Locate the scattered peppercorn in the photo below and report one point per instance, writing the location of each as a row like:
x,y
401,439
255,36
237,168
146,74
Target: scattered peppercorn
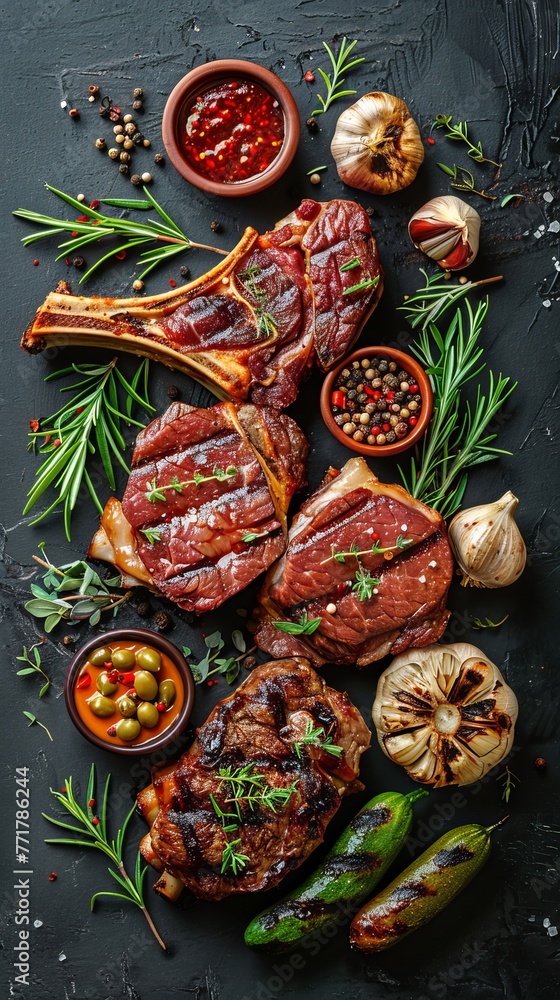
x,y
173,283
158,158
144,609
93,88
130,128
36,262
138,284
114,113
249,662
173,392
128,143
113,153
315,178
127,119
309,76
184,271
80,197
68,640
215,226
74,113
105,106
78,262
311,124
100,143
540,763
136,180
138,105
146,177
146,143
53,875
118,130
136,137
163,621
124,157
124,168
137,92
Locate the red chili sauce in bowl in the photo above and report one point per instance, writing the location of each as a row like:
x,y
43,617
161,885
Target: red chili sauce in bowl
x,y
234,130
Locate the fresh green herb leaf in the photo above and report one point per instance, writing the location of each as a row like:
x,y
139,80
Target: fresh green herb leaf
x,y
350,265
429,303
460,133
301,627
340,64
367,283
509,782
316,737
155,493
510,197
73,580
151,534
315,170
477,623
33,719
463,180
34,667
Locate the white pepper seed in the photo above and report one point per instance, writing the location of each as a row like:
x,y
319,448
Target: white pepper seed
x,y
405,387
130,128
405,412
463,279
146,143
370,374
371,439
365,362
315,178
413,406
91,98
146,177
119,139
124,157
128,144
118,129
394,420
138,285
381,439
348,428
80,197
331,609
100,143
358,436
113,153
365,418
127,119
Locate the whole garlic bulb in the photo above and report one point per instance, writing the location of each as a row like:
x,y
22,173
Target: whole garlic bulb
x,y
376,145
447,230
488,545
444,713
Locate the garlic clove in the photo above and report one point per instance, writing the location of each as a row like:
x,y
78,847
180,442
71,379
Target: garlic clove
x,y
377,146
487,544
447,230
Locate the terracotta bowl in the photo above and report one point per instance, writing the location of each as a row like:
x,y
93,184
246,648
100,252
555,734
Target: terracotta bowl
x,y
404,361
203,77
151,639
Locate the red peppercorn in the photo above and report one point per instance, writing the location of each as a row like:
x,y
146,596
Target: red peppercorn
x,y
160,706
56,443
375,537
412,421
376,429
309,76
540,763
83,682
95,821
53,875
74,113
386,427
337,398
431,140
35,263
172,282
414,388
121,255
91,803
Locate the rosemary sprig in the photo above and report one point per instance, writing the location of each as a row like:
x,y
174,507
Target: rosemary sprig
x,y
376,549
429,303
266,323
478,624
457,438
509,782
92,832
365,585
72,593
33,667
245,786
166,234
155,493
460,133
350,264
366,283
90,423
316,737
340,64
151,534
33,719
463,180
303,626
316,170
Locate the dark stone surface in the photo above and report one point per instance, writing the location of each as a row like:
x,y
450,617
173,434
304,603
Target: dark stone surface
x,y
497,66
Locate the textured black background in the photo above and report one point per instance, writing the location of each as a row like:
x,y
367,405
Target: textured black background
x,y
495,64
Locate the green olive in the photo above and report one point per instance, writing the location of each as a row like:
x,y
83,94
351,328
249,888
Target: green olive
x,y
126,706
102,706
145,684
149,659
123,659
100,656
104,685
128,729
167,693
148,714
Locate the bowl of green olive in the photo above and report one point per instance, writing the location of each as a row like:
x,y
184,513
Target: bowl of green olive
x,y
130,691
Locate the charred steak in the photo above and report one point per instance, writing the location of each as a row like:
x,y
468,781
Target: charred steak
x,y
250,327
384,601
256,728
204,510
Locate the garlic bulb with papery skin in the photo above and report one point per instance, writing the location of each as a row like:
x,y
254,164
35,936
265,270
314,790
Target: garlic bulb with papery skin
x,y
445,713
447,230
376,145
487,544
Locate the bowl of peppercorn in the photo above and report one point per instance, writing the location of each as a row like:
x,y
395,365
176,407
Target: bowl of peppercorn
x,y
377,402
231,127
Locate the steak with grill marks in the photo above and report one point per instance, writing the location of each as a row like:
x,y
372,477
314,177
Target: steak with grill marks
x,y
204,510
401,544
257,727
252,326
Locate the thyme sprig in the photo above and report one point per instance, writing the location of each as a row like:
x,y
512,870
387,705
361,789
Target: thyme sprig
x,y
93,832
509,783
429,303
89,423
166,234
460,133
213,663
365,585
457,437
340,64
72,593
304,625
33,667
316,737
266,323
155,492
245,786
463,180
376,549
478,624
33,719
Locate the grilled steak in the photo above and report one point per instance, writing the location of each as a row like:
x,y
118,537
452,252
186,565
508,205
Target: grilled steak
x,y
250,327
256,728
204,510
401,544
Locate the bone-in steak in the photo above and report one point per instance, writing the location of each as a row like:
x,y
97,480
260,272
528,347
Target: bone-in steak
x,y
257,728
204,509
403,561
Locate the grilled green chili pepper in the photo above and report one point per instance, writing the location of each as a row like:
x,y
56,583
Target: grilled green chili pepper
x,y
423,889
352,868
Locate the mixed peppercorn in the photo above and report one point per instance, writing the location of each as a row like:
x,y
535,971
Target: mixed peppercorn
x,y
376,402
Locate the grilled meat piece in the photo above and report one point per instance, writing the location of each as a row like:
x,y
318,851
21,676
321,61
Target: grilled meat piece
x,y
204,510
257,727
403,606
251,326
